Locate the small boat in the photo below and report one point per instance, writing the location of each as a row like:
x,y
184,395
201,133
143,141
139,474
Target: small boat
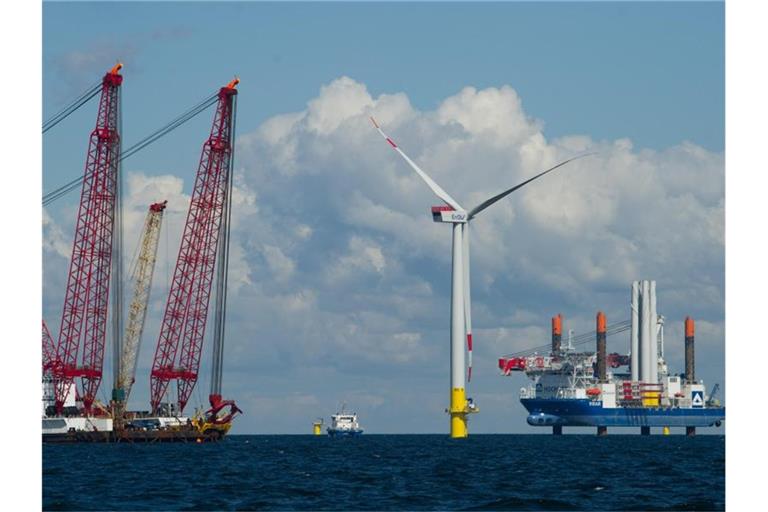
x,y
343,424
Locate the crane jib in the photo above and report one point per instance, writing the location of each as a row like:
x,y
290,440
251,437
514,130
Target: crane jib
x,y
84,317
179,345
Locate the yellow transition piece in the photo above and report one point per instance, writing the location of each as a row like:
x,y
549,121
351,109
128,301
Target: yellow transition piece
x,y
458,413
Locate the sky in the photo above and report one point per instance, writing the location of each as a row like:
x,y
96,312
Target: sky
x,y
340,282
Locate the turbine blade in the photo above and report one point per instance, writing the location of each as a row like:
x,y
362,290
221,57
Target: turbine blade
x,y
467,299
485,204
439,192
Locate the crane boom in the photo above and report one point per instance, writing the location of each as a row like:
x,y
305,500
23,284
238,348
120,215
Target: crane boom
x,y
84,317
186,311
49,349
137,312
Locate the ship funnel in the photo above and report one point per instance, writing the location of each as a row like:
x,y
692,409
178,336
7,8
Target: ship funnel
x,y
690,367
601,335
557,333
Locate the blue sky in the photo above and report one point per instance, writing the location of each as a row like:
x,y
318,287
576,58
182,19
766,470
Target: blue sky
x,y
650,72
641,83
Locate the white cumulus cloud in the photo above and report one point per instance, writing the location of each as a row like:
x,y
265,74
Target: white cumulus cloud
x,y
341,274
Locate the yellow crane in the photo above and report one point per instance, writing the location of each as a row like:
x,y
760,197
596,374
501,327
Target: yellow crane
x,y
137,312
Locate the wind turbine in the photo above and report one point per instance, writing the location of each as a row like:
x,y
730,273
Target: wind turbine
x,y
461,306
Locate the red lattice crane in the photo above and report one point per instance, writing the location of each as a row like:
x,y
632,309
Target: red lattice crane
x,y
84,318
49,349
186,311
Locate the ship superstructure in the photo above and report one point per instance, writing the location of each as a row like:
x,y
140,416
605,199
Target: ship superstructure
x,y
569,387
344,424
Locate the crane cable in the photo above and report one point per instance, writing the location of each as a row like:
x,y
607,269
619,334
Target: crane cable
x,y
183,118
579,339
225,256
72,106
146,141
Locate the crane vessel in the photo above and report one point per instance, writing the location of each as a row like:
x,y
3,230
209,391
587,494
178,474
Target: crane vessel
x,y
71,413
575,389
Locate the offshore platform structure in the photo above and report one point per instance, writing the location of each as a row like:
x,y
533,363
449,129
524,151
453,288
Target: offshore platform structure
x,y
205,236
576,388
84,318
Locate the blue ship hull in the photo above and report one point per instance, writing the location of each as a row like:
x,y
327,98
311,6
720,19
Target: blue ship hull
x,y
345,433
583,412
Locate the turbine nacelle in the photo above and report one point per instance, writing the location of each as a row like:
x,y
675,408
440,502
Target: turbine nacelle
x,y
449,214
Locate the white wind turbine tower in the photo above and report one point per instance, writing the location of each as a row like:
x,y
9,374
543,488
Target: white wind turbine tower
x,y
461,305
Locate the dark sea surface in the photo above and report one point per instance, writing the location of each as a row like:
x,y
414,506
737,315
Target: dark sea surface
x,y
392,472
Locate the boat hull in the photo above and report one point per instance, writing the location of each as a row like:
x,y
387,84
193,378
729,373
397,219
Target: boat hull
x,y
591,413
345,433
80,429
129,436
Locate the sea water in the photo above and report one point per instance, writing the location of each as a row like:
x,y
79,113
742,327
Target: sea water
x,y
392,472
